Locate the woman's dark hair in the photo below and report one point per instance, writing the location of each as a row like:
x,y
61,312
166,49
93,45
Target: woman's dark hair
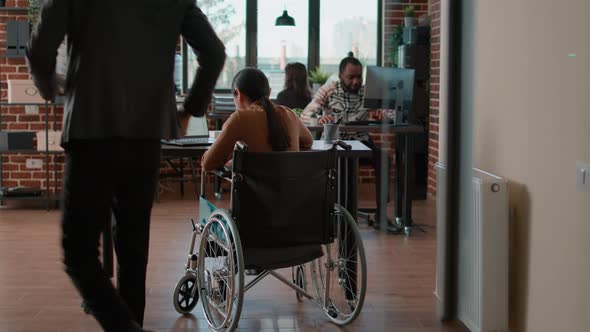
x,y
296,79
253,84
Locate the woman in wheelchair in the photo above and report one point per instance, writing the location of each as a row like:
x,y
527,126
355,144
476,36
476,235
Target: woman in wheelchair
x,y
283,215
261,124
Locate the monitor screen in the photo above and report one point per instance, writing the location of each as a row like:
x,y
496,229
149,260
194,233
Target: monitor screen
x,y
389,88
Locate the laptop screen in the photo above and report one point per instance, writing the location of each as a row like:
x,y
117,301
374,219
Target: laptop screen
x,y
197,126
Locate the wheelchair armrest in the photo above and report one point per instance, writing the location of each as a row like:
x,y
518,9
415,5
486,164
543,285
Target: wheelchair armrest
x,y
241,145
223,172
342,144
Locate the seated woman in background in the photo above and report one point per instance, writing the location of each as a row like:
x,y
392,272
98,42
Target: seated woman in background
x,y
262,125
296,93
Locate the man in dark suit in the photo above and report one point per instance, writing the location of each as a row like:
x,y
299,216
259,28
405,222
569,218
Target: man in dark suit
x,y
119,103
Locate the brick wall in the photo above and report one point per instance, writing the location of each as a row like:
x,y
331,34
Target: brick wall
x,y
393,16
14,170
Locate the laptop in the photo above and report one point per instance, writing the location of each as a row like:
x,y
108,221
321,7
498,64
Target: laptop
x,y
197,134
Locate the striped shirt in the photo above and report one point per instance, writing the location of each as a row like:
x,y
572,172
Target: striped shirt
x,y
332,99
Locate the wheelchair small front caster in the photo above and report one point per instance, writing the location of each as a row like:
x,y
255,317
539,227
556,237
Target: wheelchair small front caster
x,y
184,301
408,230
332,312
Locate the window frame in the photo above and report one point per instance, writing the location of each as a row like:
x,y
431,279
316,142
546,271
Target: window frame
x,y
313,55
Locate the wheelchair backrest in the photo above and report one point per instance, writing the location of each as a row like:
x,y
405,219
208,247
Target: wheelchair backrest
x,y
282,199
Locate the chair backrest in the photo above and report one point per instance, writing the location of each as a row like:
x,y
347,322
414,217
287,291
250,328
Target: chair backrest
x,y
282,199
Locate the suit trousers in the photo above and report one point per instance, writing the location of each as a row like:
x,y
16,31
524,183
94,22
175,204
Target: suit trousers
x,y
103,176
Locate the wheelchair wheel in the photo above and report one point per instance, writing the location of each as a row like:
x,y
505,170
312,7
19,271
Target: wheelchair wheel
x,y
348,271
220,272
299,279
185,294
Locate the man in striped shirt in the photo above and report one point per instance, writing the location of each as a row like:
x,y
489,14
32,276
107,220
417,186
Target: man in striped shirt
x,y
341,102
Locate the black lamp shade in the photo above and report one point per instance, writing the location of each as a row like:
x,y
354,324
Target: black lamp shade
x,y
285,20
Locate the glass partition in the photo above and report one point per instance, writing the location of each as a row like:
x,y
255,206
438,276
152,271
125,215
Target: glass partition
x,y
347,26
228,18
279,45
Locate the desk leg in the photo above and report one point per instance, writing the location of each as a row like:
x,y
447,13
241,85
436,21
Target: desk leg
x,y
194,175
409,183
181,177
217,180
399,179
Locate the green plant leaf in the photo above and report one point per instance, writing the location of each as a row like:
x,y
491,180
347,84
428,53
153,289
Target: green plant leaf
x,y
409,11
318,76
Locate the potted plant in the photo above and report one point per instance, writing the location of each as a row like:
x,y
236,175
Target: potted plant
x,y
395,42
409,16
34,9
317,78
297,111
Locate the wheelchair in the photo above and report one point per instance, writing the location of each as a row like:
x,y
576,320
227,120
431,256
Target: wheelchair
x,y
282,215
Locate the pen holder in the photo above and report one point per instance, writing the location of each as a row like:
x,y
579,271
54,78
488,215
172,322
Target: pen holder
x,y
331,132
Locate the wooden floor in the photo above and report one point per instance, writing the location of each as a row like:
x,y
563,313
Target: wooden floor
x,y
36,294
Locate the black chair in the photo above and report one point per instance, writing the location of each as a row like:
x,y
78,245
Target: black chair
x,y
283,214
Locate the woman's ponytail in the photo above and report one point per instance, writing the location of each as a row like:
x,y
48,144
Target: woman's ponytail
x,y
278,136
253,84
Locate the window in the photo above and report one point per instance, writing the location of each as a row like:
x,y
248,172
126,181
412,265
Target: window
x,y
247,28
279,45
228,18
348,26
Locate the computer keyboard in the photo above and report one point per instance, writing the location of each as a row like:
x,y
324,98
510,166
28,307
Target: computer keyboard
x,y
369,122
189,141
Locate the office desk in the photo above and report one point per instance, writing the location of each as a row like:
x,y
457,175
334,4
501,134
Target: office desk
x,y
191,152
404,168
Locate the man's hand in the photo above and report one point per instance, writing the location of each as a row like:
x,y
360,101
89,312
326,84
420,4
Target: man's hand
x,y
183,118
325,119
378,115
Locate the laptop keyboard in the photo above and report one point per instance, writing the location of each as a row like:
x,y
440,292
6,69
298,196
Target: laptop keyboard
x,y
188,141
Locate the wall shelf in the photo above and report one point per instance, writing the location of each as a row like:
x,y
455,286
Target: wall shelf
x,y
48,196
13,9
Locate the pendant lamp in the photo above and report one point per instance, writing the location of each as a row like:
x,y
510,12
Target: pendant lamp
x,y
285,20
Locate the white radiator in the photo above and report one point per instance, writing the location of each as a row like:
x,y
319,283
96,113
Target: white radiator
x,y
482,299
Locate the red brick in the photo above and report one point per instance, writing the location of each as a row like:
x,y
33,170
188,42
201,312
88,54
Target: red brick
x,y
37,126
20,175
31,183
18,126
28,117
9,183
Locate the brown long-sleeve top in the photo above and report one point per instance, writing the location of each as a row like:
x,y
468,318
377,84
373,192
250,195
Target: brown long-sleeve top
x,y
250,126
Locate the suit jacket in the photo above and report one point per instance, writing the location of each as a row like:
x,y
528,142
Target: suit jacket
x,y
120,80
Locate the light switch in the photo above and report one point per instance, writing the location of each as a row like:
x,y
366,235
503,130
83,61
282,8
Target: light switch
x,y
583,176
31,109
34,163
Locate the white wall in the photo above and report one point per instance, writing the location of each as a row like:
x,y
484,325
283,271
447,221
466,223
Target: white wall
x,y
531,122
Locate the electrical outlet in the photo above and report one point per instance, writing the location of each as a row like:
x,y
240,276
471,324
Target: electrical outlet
x,y
31,109
34,163
583,176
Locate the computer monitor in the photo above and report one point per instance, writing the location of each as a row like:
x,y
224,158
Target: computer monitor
x,y
390,88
